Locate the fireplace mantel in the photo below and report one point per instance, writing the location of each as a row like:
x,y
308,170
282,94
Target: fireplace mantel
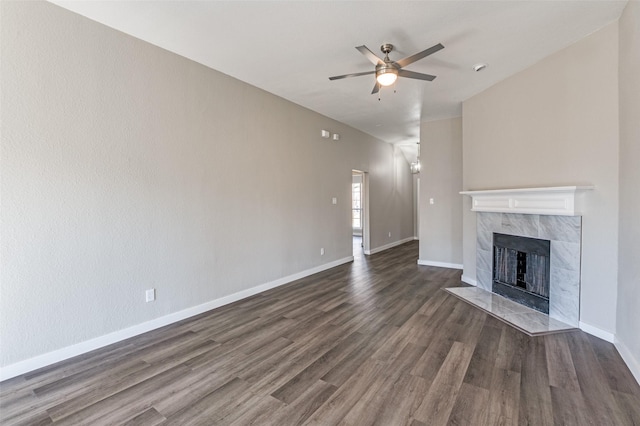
x,y
557,200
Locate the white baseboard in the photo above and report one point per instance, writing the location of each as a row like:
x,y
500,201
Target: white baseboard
x,y
53,357
595,331
470,281
388,246
629,359
439,264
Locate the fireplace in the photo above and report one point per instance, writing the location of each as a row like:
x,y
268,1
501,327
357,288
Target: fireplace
x,y
551,213
564,235
521,270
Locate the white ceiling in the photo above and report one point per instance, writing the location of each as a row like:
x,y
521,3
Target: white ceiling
x,y
290,48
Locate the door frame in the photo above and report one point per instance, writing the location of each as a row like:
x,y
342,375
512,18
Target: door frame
x,y
364,215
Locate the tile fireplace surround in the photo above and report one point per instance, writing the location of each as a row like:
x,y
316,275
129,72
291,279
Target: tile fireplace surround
x,y
545,213
564,232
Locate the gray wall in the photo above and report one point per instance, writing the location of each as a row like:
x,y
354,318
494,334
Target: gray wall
x,y
126,167
555,124
628,331
441,179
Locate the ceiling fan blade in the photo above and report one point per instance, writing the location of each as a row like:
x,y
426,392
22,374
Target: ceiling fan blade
x,y
416,75
370,55
376,88
411,59
357,74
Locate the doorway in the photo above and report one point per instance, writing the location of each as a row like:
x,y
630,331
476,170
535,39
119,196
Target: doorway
x,y
359,213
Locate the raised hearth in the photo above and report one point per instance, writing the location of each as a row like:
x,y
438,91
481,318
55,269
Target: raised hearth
x,y
525,319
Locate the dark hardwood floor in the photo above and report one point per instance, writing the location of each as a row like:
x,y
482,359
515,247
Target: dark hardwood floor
x,y
372,342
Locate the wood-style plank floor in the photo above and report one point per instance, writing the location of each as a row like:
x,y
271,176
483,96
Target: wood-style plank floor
x,y
372,342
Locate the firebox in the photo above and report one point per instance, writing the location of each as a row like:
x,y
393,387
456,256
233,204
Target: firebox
x,y
521,270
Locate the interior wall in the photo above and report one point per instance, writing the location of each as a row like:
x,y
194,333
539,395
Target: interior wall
x,y
127,167
441,180
556,124
628,320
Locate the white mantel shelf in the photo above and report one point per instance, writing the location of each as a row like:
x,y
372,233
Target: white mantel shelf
x,y
557,200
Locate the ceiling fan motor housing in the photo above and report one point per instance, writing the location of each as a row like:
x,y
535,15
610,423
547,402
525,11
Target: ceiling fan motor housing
x,y
386,68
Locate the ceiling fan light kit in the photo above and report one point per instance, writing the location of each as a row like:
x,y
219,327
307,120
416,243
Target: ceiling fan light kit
x,y
387,71
386,76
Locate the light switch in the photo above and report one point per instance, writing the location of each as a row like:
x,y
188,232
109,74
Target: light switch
x,y
150,295
334,200
431,201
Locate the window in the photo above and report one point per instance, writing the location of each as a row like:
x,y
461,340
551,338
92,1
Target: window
x,y
356,205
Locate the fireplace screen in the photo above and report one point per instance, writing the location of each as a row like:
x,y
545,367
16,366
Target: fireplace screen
x,y
521,270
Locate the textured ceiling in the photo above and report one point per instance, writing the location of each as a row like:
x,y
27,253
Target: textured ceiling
x,y
290,48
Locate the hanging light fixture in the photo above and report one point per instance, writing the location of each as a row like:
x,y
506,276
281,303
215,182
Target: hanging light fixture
x,y
415,166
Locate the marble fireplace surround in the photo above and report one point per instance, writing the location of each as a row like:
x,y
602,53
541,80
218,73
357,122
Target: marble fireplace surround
x,y
546,213
564,233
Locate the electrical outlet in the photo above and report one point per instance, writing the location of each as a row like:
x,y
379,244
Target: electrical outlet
x,y
322,251
150,295
389,234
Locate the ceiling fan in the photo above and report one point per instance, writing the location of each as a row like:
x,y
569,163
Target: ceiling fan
x,y
387,71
